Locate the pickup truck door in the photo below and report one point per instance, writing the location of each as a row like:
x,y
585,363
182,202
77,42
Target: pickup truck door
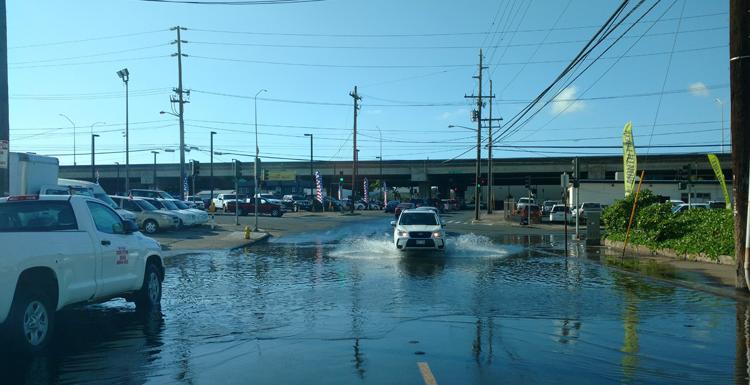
x,y
118,252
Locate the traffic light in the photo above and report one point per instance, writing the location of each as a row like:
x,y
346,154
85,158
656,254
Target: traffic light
x,y
257,168
237,169
341,179
265,174
528,182
195,167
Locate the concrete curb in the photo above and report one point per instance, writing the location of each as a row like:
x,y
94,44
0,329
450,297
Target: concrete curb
x,y
251,242
668,253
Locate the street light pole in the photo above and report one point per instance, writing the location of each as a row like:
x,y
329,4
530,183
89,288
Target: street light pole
x,y
255,165
124,74
117,183
74,136
721,105
212,164
155,152
312,173
380,181
93,159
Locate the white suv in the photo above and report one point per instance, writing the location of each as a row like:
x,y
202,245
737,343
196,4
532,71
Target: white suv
x,y
418,230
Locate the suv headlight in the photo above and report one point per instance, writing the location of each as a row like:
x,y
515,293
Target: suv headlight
x,y
402,233
437,234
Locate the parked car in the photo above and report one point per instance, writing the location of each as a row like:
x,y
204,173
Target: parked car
x,y
197,201
547,206
222,199
523,201
81,187
149,218
717,204
420,202
391,206
403,206
587,207
530,210
559,212
146,193
201,217
418,230
264,207
54,247
685,207
450,205
186,218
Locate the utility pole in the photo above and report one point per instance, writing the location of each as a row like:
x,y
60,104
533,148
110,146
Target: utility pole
x,y
181,104
739,79
312,174
478,117
577,187
4,110
156,186
356,98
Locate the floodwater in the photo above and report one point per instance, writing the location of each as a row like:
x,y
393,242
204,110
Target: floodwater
x,y
344,307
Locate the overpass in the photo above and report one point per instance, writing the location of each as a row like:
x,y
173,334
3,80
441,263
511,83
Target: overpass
x,y
456,175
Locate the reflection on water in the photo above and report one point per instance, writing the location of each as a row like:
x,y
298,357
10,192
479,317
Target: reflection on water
x,y
355,310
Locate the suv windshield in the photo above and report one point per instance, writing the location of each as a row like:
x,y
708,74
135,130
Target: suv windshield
x,y
426,219
180,205
144,205
169,205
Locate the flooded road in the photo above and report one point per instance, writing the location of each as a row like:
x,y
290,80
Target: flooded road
x,y
344,307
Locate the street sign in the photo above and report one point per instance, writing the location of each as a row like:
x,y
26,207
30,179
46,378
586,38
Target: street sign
x,y
564,180
3,154
281,175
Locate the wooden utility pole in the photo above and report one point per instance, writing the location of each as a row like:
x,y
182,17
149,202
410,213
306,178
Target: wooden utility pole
x,y
181,110
478,116
739,77
4,109
356,98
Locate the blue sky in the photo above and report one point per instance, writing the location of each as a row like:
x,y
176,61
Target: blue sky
x,y
412,60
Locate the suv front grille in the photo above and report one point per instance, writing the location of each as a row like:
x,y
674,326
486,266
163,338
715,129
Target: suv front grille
x,y
420,234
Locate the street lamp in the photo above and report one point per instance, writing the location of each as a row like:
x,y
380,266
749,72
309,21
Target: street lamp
x,y
255,165
212,164
312,174
117,183
93,160
125,76
74,136
380,181
155,152
721,105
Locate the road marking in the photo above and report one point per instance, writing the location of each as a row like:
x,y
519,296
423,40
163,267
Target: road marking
x,y
429,379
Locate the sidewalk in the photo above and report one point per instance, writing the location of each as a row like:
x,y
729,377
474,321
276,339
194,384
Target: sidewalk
x,y
222,237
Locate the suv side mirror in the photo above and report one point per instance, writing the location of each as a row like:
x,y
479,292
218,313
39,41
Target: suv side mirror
x,y
130,226
393,223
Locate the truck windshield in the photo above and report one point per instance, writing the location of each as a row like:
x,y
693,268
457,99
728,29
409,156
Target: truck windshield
x,y
426,219
37,216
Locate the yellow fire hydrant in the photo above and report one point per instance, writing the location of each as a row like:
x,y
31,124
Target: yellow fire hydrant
x,y
247,232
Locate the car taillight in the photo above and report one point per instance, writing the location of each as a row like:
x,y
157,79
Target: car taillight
x,y
23,198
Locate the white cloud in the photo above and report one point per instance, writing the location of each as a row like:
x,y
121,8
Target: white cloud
x,y
459,113
698,89
565,101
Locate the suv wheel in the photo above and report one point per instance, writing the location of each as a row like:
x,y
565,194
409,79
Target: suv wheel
x,y
32,320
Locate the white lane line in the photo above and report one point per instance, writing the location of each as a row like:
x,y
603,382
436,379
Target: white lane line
x,y
427,376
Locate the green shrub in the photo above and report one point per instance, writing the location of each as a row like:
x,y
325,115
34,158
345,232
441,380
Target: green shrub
x,y
710,232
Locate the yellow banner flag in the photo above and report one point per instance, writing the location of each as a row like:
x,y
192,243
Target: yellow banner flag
x,y
629,161
720,176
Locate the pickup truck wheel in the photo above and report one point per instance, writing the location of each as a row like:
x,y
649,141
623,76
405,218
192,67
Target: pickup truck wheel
x,y
150,226
31,321
149,296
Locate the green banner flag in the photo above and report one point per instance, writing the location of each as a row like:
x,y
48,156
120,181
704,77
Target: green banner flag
x,y
629,161
720,176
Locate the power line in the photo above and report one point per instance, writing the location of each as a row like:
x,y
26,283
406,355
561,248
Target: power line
x,y
436,34
119,36
89,56
89,62
253,2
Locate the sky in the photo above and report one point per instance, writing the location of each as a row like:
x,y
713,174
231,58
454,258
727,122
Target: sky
x,y
412,61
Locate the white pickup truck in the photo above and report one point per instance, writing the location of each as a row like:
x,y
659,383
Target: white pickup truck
x,y
64,250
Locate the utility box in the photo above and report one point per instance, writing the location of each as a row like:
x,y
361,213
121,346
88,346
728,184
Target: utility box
x,y
593,234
